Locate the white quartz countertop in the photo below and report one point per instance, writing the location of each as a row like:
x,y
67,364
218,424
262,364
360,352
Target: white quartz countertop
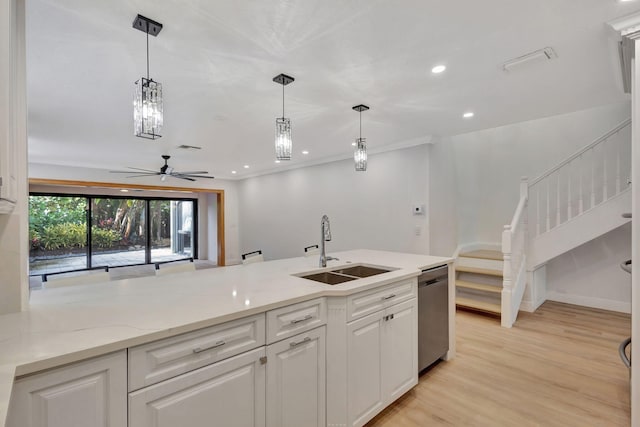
x,y
65,325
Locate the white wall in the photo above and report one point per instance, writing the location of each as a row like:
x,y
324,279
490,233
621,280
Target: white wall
x,y
489,163
280,213
231,207
590,275
443,211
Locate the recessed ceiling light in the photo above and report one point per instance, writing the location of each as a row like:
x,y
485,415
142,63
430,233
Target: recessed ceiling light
x,y
234,172
305,152
468,115
438,69
124,190
277,161
353,144
246,166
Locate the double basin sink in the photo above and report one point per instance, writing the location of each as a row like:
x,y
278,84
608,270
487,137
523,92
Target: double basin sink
x,y
345,274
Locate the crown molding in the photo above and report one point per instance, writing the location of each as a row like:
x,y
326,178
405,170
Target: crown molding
x,y
627,26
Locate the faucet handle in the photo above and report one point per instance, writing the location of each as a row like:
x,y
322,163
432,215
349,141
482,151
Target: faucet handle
x,y
331,258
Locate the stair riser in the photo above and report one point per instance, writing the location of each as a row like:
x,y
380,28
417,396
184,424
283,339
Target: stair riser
x,y
480,278
480,263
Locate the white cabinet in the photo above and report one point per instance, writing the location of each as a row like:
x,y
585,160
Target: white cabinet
x,y
11,85
365,365
372,360
400,350
90,393
229,393
296,381
382,360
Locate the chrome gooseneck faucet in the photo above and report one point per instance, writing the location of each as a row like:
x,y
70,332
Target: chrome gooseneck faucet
x,y
325,236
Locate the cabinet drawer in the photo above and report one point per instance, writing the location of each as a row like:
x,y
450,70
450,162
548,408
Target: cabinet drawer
x,y
288,321
367,302
160,360
227,393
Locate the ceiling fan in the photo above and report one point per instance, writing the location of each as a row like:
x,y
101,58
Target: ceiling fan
x,y
166,171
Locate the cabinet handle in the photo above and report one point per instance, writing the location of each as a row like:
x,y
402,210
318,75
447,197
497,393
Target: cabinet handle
x,y
389,297
295,344
304,319
216,345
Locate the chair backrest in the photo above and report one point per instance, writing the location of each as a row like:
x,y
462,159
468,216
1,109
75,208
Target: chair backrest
x,y
311,250
175,267
251,257
71,278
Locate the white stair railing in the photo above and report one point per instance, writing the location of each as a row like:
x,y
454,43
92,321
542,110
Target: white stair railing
x,y
586,179
514,245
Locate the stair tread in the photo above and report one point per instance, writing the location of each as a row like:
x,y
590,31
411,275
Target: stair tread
x,y
478,286
484,254
478,305
477,270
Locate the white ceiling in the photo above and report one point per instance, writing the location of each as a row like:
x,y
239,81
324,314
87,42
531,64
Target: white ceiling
x,y
216,60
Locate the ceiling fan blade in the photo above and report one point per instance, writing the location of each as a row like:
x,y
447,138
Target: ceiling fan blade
x,y
192,173
199,176
182,177
142,174
145,173
145,170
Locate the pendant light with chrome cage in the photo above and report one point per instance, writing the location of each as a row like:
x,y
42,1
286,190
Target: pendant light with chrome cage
x,y
284,145
360,153
147,99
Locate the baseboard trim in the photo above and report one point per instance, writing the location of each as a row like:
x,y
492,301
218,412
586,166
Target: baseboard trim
x,y
601,303
527,306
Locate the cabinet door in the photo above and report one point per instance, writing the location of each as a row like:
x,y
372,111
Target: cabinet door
x,y
91,393
364,371
296,374
229,393
399,350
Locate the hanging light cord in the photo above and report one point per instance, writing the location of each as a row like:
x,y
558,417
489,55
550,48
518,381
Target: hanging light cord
x,y
147,50
283,101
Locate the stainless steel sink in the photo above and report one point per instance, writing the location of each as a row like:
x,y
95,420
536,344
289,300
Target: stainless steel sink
x,y
329,278
345,274
361,271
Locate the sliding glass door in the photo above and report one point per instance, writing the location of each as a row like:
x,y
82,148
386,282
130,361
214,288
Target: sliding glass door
x,y
57,233
172,227
118,232
75,232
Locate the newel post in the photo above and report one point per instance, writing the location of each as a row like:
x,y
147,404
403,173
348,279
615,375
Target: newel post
x,y
506,253
507,283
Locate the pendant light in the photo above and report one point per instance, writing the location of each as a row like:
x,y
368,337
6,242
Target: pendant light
x,y
147,99
360,154
284,144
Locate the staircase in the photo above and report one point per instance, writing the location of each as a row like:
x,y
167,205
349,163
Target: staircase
x,y
579,199
479,280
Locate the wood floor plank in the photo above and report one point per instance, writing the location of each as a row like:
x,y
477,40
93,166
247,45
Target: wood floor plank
x,y
556,367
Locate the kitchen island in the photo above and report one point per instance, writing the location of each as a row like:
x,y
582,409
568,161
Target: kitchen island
x,y
68,325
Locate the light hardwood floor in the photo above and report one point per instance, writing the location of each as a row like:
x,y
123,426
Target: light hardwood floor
x,y
558,367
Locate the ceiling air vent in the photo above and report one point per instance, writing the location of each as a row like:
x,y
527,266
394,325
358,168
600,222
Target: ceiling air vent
x,y
189,147
545,54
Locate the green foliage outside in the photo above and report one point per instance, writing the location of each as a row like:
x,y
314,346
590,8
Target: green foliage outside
x,y
59,222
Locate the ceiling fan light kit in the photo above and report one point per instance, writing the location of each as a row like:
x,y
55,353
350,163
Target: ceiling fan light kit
x,y
360,153
147,99
284,144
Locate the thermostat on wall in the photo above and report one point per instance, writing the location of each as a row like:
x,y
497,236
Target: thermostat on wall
x,y
418,209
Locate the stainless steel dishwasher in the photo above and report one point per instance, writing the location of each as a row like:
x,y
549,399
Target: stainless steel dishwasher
x,y
433,315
